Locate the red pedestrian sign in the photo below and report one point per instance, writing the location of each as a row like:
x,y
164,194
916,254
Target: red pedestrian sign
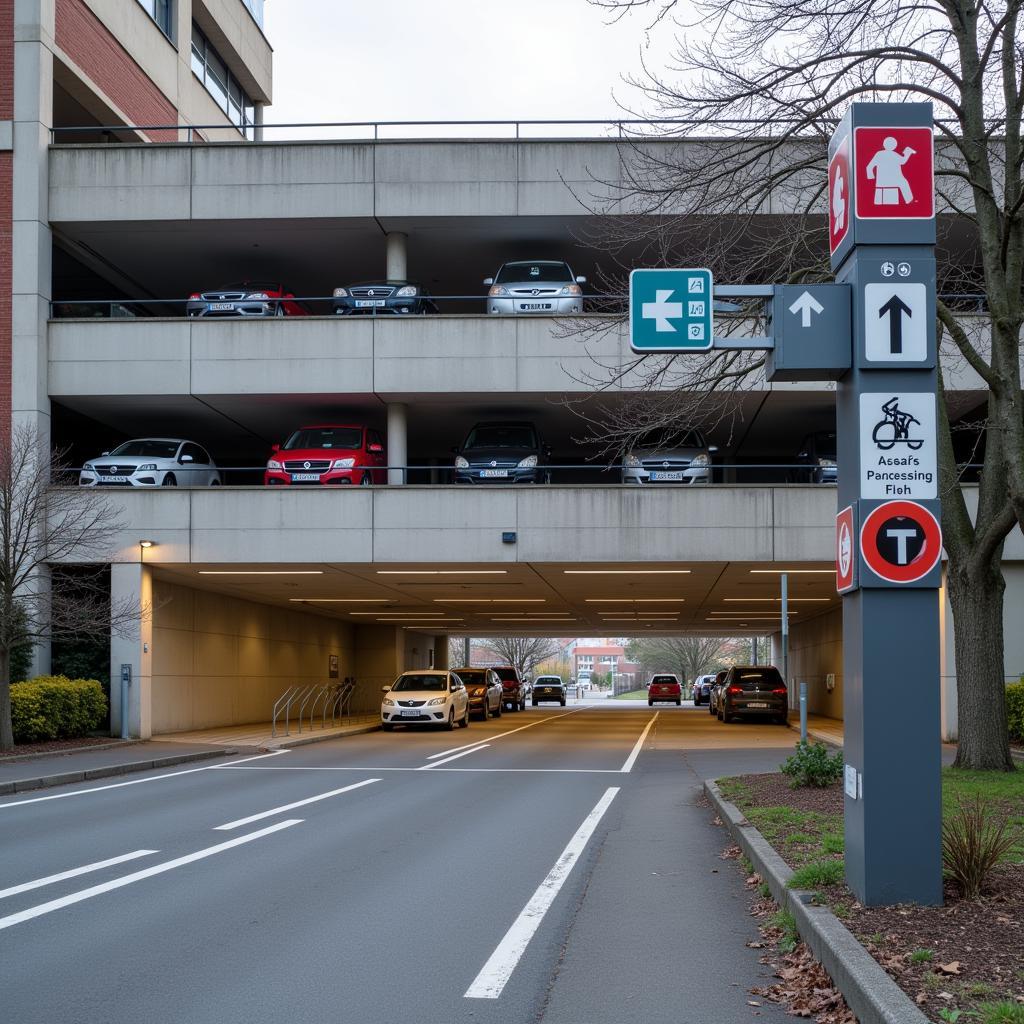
x,y
901,541
895,174
846,560
840,195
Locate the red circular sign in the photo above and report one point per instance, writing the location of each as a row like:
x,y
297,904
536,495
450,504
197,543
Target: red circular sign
x,y
901,541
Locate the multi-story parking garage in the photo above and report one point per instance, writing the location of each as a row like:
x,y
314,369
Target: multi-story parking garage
x,y
252,588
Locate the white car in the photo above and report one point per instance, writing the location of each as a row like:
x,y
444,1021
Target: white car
x,y
535,286
152,462
656,458
425,697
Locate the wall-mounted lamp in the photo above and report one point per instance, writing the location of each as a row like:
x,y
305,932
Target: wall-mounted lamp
x,y
146,543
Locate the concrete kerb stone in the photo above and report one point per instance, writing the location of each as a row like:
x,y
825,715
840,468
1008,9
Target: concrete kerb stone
x,y
872,995
303,741
71,750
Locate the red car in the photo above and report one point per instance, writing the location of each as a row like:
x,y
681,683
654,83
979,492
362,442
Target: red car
x,y
246,299
664,688
513,689
331,454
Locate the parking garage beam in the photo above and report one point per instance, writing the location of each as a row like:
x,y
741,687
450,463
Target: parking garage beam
x,y
397,443
397,243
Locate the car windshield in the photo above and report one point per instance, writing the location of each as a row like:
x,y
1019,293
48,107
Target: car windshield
x,y
825,446
438,683
502,435
757,678
472,677
507,675
249,286
666,440
349,438
548,681
148,448
554,271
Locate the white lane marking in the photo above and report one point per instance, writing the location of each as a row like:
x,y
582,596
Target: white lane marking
x,y
378,768
291,807
631,760
138,876
501,735
136,782
454,757
494,974
99,865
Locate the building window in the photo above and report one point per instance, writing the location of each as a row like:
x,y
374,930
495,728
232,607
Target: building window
x,y
211,70
162,12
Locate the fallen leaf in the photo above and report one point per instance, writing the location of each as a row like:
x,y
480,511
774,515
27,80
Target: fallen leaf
x,y
921,998
953,967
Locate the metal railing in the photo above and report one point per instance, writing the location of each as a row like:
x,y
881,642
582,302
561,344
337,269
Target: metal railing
x,y
332,699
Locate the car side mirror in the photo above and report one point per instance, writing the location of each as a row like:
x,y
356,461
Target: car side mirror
x,y
581,280
186,458
802,455
104,453
454,451
488,281
385,689
712,447
375,449
275,447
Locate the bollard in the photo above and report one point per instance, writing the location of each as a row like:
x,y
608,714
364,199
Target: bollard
x,y
803,712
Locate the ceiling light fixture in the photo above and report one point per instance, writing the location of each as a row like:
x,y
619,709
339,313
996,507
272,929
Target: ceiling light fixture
x,y
635,600
627,572
342,600
261,572
442,572
792,572
490,600
777,600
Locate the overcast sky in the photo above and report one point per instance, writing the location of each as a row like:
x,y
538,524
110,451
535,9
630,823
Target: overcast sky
x,y
337,60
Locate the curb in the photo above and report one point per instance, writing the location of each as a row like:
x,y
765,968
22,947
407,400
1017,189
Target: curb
x,y
356,730
871,994
8,758
64,778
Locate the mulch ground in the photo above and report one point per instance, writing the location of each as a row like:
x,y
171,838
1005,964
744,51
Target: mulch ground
x,y
967,952
55,747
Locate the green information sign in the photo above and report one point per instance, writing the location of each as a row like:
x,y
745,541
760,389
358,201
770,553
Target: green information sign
x,y
670,310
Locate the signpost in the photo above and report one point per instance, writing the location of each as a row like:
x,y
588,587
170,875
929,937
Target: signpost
x,y
670,311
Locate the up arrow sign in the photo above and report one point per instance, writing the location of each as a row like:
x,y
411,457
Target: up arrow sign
x,y
805,305
895,308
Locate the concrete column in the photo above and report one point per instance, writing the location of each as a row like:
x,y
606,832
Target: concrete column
x,y
397,243
398,452
131,586
41,653
440,651
258,122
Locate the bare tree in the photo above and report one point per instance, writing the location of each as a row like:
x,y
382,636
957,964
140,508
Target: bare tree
x,y
757,89
43,529
690,656
523,653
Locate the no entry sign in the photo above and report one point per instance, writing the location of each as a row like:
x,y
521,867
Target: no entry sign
x,y
901,541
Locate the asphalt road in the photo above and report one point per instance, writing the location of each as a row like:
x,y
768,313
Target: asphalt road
x,y
550,866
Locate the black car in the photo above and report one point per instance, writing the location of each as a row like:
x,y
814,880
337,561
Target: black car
x,y
509,452
376,298
817,459
755,690
548,688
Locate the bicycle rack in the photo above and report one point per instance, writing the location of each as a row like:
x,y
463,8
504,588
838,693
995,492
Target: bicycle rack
x,y
323,694
310,694
285,699
342,704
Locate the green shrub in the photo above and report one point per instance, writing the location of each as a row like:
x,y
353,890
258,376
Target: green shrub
x,y
975,838
822,872
1015,710
812,765
55,707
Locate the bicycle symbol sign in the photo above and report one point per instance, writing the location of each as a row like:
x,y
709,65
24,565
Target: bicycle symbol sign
x,y
897,450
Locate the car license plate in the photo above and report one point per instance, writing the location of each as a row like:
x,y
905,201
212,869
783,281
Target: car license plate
x,y
221,307
534,305
666,476
757,704
303,477
114,479
494,472
410,712
369,303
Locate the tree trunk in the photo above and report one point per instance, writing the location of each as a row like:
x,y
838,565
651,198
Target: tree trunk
x,y
6,730
976,596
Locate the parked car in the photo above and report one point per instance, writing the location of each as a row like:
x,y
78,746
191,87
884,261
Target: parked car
x,y
702,689
535,286
514,690
664,689
382,297
425,697
152,462
817,459
484,689
246,298
713,693
757,690
504,452
661,458
548,688
330,454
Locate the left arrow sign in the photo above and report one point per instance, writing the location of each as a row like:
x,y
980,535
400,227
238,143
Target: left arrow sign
x,y
661,311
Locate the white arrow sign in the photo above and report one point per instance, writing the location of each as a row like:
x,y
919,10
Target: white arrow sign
x,y
661,311
805,305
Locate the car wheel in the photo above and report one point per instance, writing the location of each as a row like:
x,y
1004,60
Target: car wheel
x,y
563,703
650,703
679,703
719,715
169,481
280,309
522,704
464,721
215,483
726,717
366,480
711,710
498,710
387,726
533,703
450,724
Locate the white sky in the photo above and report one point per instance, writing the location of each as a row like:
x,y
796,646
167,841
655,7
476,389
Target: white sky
x,y
352,60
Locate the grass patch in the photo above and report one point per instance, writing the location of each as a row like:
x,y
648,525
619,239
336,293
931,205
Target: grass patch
x,y
1003,1012
922,956
817,873
632,695
764,890
786,923
736,791
1005,789
833,842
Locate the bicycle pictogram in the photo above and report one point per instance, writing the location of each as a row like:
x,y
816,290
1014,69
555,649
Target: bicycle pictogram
x,y
894,429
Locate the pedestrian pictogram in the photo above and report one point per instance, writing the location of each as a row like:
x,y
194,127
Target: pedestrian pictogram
x,y
897,445
839,194
894,173
895,325
671,310
846,563
901,542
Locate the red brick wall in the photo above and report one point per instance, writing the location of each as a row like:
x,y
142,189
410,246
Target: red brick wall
x,y
6,60
84,38
6,215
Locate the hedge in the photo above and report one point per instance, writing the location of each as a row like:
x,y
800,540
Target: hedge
x,y
55,707
1015,710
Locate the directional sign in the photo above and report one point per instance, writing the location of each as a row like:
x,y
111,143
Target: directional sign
x,y
846,554
895,322
894,173
670,310
812,331
900,542
898,445
840,193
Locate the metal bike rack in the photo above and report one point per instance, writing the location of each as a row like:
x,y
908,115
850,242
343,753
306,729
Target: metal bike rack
x,y
282,702
323,694
310,694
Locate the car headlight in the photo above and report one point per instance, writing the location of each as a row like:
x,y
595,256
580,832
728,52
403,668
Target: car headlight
x,y
341,293
437,700
388,702
149,467
632,461
406,291
257,295
461,463
88,468
571,289
497,289
273,464
344,463
529,462
827,463
701,461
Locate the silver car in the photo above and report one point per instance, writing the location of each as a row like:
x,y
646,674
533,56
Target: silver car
x,y
546,287
152,462
680,460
